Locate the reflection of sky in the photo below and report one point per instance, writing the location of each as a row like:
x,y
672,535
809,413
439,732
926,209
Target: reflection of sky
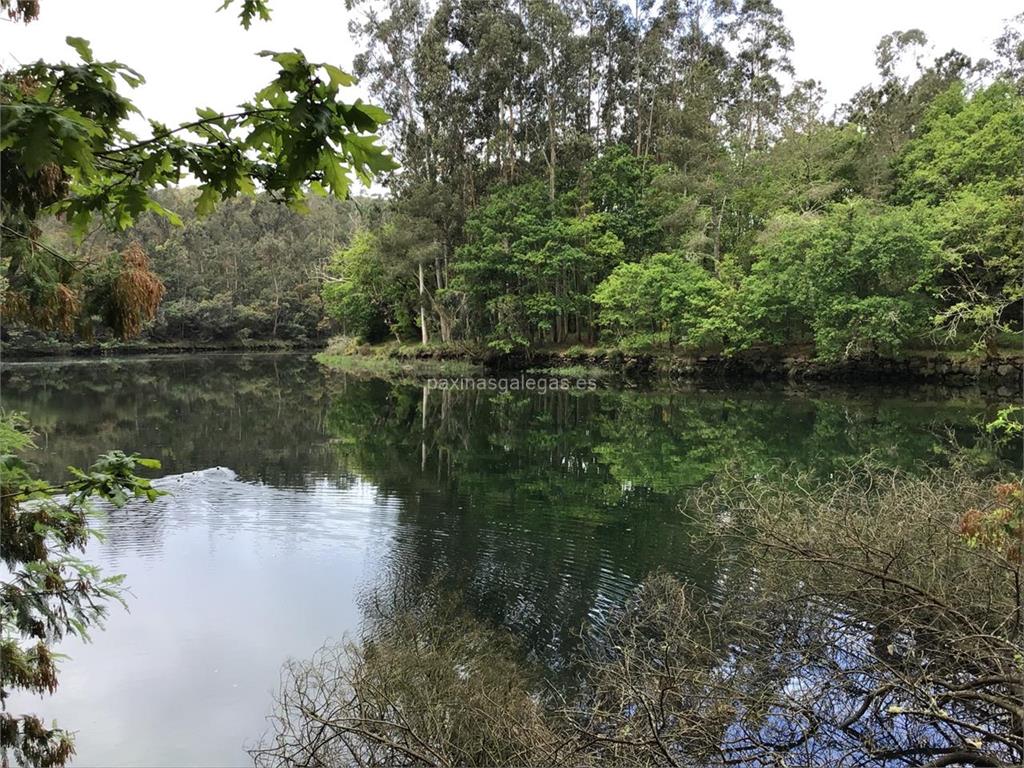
x,y
240,578
543,512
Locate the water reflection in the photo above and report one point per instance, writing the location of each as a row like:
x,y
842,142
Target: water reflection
x,y
227,579
293,487
260,415
544,511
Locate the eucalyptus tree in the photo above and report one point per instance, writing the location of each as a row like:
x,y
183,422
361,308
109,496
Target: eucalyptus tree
x,y
889,112
607,36
757,77
550,86
681,128
410,64
1008,62
691,135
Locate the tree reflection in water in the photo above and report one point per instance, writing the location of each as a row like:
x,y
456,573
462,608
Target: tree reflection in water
x,y
543,513
859,628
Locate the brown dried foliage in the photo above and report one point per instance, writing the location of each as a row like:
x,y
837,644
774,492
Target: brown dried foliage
x,y
56,309
21,10
135,293
998,526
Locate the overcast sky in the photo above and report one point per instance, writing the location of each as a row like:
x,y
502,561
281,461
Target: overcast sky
x,y
192,56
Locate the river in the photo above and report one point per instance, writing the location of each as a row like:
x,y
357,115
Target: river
x,y
295,491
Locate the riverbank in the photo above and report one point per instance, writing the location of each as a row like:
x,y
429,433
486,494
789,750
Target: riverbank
x,y
16,352
1002,372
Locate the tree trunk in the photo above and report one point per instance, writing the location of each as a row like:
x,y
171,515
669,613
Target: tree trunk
x,y
718,234
551,143
423,309
446,327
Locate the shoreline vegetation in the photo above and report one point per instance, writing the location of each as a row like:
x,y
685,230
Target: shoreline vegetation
x,y
869,618
57,350
1002,371
753,238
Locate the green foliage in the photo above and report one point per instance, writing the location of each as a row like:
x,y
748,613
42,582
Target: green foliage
x,y
966,170
1008,425
66,151
49,591
548,173
530,264
964,139
664,299
869,281
534,200
251,271
808,168
621,185
855,279
363,299
530,132
64,131
251,9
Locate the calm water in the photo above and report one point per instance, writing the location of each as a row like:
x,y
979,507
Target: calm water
x,y
295,492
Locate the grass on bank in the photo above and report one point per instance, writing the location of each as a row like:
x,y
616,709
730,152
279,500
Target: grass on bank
x,y
392,359
412,360
568,357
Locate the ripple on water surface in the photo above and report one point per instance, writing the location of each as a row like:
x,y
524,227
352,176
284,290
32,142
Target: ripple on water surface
x,y
323,514
544,510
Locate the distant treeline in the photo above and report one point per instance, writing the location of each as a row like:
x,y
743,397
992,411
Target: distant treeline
x,y
252,270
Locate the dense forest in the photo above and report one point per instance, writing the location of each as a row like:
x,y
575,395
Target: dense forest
x,y
650,178
252,270
656,177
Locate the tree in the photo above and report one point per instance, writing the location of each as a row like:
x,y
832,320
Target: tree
x,y
65,150
369,303
668,299
530,265
762,59
1008,64
621,186
857,279
966,170
49,591
889,113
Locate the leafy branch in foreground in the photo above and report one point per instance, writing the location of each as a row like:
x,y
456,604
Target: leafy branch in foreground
x,y
64,130
49,591
66,150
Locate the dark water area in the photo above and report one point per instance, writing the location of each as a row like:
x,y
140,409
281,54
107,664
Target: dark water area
x,y
296,491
